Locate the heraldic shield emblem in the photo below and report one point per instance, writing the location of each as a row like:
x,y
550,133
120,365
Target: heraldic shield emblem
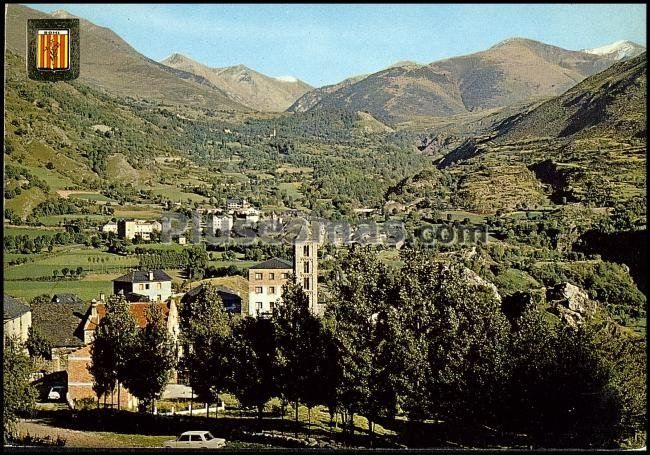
x,y
53,49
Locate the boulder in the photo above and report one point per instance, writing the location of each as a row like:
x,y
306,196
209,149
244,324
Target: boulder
x,y
570,303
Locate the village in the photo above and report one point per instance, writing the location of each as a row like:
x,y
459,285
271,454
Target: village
x,y
68,322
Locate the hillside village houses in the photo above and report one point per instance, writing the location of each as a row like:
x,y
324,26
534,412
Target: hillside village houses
x,y
68,323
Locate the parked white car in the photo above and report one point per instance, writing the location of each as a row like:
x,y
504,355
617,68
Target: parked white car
x,y
195,440
56,393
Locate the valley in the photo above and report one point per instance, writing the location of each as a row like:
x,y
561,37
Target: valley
x,y
541,149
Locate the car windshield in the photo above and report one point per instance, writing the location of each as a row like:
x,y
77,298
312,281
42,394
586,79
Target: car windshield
x,y
208,436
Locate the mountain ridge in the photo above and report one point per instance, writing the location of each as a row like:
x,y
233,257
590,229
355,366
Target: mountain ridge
x,y
510,71
243,84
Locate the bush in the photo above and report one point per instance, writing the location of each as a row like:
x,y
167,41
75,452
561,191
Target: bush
x,y
85,403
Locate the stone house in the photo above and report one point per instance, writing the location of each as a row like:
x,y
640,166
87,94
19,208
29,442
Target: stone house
x,y
17,318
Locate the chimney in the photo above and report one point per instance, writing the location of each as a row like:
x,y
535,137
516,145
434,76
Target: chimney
x,y
150,275
93,310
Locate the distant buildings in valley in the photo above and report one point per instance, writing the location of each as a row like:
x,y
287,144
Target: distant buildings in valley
x,y
130,229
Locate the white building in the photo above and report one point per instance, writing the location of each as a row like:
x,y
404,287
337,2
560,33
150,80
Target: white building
x,y
154,284
223,223
140,228
111,226
236,203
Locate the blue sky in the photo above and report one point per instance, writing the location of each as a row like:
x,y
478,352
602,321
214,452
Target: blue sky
x,y
324,44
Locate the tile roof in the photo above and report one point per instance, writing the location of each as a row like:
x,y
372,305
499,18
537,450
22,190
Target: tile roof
x,y
13,308
274,263
60,323
142,276
138,310
65,298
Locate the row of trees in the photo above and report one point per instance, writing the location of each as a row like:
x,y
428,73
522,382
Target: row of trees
x,y
194,260
26,244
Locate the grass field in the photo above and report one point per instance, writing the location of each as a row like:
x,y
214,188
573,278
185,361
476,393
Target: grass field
x,y
91,197
292,189
55,180
55,220
70,257
30,231
29,289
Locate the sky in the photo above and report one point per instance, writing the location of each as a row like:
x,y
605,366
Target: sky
x,y
325,43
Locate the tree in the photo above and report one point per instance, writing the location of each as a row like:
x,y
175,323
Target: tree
x,y
294,325
206,329
64,271
252,362
361,316
112,347
151,360
17,393
455,337
574,387
37,345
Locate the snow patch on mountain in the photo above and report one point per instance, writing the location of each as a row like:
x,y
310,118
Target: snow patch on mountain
x,y
286,79
618,50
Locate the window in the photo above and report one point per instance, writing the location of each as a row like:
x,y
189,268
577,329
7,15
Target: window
x,y
184,438
271,289
258,289
285,275
271,276
141,287
196,437
258,276
158,285
146,286
272,306
305,284
305,250
306,267
259,306
159,297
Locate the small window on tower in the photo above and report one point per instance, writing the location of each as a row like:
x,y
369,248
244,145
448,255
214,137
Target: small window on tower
x,y
305,250
306,267
305,284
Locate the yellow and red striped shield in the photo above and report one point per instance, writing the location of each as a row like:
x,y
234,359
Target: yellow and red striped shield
x,y
53,50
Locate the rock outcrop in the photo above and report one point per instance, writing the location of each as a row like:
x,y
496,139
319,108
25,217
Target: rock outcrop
x,y
570,303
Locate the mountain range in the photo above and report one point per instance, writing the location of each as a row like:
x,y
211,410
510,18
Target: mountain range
x,y
244,85
512,71
509,72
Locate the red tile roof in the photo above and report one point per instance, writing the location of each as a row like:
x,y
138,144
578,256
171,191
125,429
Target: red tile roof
x,y
138,310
